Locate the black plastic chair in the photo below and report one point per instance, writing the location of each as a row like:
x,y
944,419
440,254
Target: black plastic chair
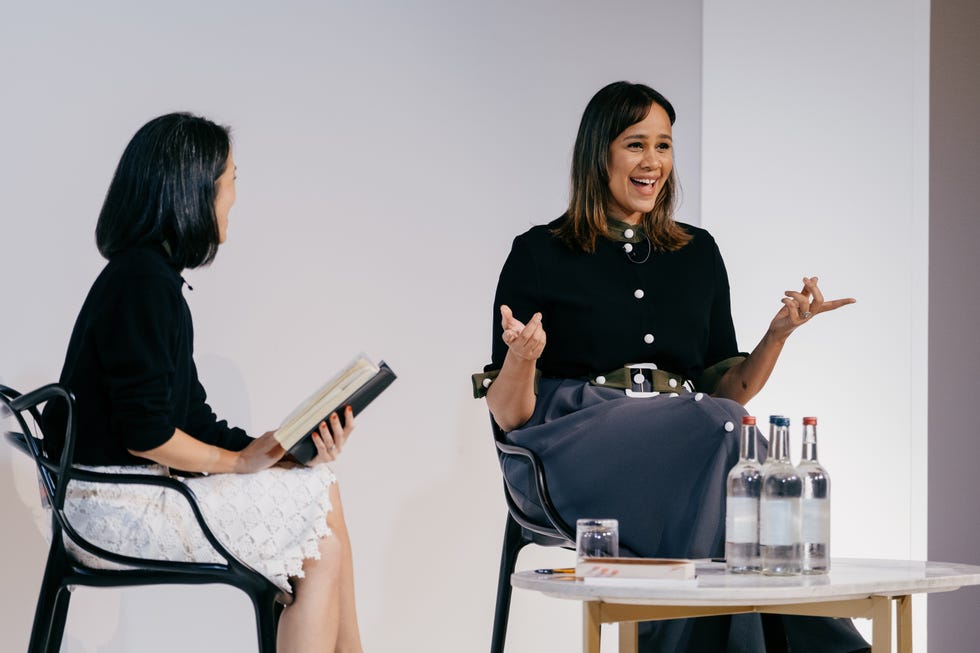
x,y
522,529
62,572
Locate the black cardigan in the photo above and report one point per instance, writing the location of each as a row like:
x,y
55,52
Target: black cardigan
x,y
600,311
130,365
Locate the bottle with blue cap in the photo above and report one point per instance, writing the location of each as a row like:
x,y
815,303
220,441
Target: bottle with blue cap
x,y
780,544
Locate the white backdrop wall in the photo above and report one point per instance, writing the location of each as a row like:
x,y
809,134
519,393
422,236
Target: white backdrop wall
x,y
815,161
388,153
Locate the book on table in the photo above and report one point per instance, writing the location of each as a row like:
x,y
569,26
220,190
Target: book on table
x,y
357,385
636,570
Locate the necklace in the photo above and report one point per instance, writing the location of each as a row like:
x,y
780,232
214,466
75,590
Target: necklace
x,y
632,237
631,251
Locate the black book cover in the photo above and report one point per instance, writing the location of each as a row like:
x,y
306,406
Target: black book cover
x,y
304,450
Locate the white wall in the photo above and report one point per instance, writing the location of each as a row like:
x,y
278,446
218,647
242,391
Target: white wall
x,y
815,161
387,156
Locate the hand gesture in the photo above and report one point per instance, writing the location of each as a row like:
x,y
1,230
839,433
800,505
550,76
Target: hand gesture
x,y
802,306
261,453
330,439
526,341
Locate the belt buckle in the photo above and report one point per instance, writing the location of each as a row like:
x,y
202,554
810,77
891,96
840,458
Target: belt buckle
x,y
640,379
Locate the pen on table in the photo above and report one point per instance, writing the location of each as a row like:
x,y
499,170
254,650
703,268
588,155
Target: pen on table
x,y
560,570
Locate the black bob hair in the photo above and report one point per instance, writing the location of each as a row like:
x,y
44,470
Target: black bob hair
x,y
164,189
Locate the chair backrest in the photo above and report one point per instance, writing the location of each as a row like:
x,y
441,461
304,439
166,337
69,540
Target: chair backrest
x,y
553,526
54,470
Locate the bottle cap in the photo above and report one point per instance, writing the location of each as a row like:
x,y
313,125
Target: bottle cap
x,y
774,419
782,421
748,420
810,420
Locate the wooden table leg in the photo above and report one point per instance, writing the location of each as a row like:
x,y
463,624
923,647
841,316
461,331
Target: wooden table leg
x,y
881,624
591,627
904,617
627,636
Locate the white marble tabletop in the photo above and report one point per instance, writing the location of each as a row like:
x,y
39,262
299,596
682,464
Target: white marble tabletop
x,y
848,579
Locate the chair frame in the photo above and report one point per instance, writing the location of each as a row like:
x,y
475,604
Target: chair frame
x,y
62,572
521,529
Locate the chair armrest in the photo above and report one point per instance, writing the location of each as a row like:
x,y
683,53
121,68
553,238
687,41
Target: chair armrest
x,y
540,483
160,481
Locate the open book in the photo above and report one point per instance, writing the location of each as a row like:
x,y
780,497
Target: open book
x,y
356,386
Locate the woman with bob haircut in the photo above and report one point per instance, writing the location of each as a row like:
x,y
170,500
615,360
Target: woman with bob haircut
x,y
614,359
141,408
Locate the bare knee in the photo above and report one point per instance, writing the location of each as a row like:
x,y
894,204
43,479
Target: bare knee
x,y
321,576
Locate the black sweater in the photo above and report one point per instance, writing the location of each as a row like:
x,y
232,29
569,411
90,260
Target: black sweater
x,y
601,311
130,365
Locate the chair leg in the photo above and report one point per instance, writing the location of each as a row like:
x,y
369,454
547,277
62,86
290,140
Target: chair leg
x,y
52,604
774,633
514,541
58,620
278,607
267,612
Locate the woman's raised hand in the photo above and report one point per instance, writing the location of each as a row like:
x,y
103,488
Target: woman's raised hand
x,y
802,306
526,341
511,397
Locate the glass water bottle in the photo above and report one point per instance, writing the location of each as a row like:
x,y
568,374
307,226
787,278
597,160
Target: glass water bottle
x,y
779,508
744,488
815,508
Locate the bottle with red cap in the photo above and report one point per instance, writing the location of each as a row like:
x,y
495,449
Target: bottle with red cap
x,y
744,488
815,505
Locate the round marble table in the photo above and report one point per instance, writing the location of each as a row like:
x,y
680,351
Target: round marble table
x,y
853,588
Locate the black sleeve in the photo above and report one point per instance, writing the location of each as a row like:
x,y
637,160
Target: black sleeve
x,y
518,289
204,425
136,337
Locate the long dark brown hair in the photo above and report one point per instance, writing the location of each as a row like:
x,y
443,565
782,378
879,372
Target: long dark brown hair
x,y
609,112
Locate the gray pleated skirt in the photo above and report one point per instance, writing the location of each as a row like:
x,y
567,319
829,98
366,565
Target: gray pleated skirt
x,y
658,465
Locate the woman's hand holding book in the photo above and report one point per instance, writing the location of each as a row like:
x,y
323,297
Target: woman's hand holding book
x,y
330,439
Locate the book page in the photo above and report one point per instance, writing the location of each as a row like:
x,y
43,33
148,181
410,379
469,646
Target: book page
x,y
324,400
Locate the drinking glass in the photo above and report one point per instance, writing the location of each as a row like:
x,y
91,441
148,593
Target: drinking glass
x,y
597,538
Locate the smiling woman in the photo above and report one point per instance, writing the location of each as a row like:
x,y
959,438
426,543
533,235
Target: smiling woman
x,y
640,160
615,360
623,168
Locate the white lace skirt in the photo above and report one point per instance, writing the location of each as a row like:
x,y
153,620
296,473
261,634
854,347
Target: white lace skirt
x,y
271,520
